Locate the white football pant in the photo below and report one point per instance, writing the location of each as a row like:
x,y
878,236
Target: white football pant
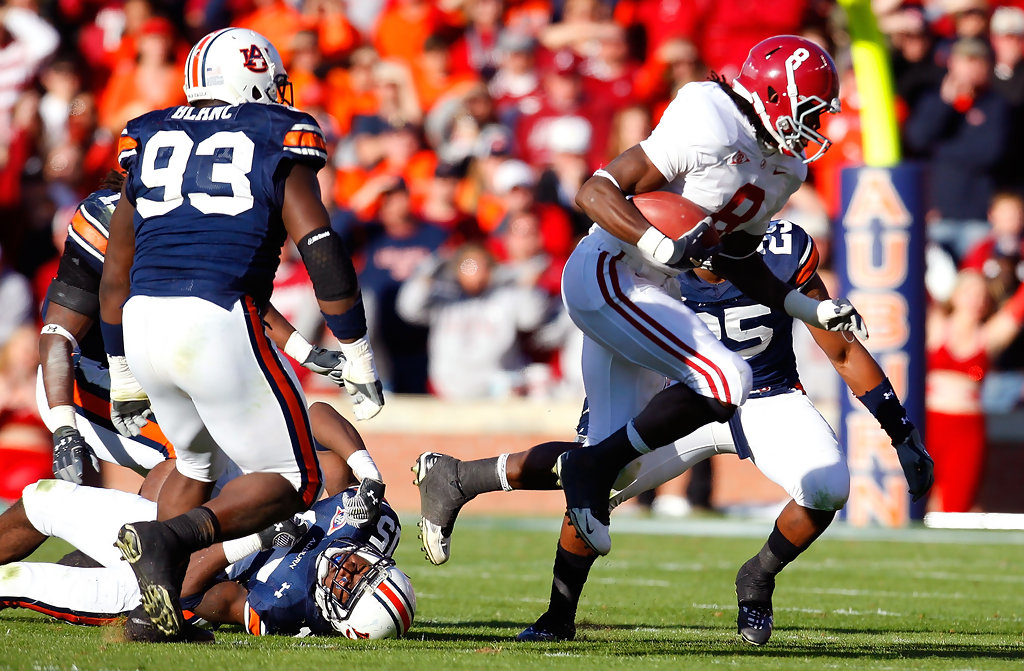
x,y
638,333
220,388
788,440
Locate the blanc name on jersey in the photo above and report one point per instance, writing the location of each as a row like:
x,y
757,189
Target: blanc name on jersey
x,y
207,186
281,581
762,336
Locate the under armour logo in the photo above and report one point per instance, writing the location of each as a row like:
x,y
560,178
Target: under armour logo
x,y
254,59
284,587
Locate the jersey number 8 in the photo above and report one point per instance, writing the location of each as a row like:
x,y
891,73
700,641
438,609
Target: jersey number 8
x,y
218,166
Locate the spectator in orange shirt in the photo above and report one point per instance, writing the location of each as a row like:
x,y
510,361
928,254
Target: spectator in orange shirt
x,y
404,26
150,80
434,75
352,90
336,34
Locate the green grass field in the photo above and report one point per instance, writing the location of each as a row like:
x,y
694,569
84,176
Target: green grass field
x,y
859,599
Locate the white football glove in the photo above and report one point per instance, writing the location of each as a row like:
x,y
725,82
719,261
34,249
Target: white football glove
x,y
834,314
361,379
130,408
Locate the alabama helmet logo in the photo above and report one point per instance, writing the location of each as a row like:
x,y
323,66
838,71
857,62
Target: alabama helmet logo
x,y
254,59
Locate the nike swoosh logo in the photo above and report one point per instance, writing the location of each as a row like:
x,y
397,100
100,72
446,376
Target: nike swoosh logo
x,y
776,171
590,529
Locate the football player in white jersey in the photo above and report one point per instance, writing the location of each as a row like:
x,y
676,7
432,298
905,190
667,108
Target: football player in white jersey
x,y
736,153
778,429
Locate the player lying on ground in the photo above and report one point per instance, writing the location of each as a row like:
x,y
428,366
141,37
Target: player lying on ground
x,y
778,429
73,393
322,573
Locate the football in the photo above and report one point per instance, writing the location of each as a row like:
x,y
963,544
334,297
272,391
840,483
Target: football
x,y
673,215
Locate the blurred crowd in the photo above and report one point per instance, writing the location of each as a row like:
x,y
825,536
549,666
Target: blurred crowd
x,y
459,132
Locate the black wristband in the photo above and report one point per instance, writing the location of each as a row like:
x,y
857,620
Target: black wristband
x,y
887,409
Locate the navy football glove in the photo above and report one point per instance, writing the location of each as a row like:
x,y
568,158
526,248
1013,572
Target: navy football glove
x,y
917,465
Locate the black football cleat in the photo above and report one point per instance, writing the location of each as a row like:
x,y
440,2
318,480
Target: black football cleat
x,y
754,622
587,491
140,629
548,629
159,565
754,590
441,499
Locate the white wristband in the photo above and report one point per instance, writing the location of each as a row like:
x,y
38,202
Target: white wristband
x,y
363,466
297,347
57,329
601,172
240,548
802,307
63,415
656,245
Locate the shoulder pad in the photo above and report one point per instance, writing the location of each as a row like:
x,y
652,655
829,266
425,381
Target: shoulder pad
x,y
790,252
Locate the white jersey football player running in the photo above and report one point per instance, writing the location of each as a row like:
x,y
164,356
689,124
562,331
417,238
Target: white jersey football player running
x,y
737,153
777,428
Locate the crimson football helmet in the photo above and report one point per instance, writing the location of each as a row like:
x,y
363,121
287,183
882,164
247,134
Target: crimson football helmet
x,y
236,65
361,593
790,81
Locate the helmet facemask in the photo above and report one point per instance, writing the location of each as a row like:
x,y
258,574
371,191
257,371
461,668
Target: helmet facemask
x,y
343,575
361,593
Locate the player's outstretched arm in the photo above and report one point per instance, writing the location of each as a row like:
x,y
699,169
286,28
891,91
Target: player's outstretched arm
x,y
320,360
129,405
339,436
741,265
869,384
335,285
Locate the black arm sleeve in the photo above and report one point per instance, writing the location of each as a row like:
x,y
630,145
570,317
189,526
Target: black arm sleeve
x,y
329,265
76,286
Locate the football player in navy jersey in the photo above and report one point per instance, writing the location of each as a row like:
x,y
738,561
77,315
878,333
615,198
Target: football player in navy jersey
x,y
212,190
777,428
319,573
74,385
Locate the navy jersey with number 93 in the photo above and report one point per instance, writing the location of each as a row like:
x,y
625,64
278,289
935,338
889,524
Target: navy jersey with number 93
x,y
207,187
762,336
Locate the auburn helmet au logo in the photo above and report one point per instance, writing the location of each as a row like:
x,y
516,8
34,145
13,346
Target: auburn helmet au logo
x,y
254,59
